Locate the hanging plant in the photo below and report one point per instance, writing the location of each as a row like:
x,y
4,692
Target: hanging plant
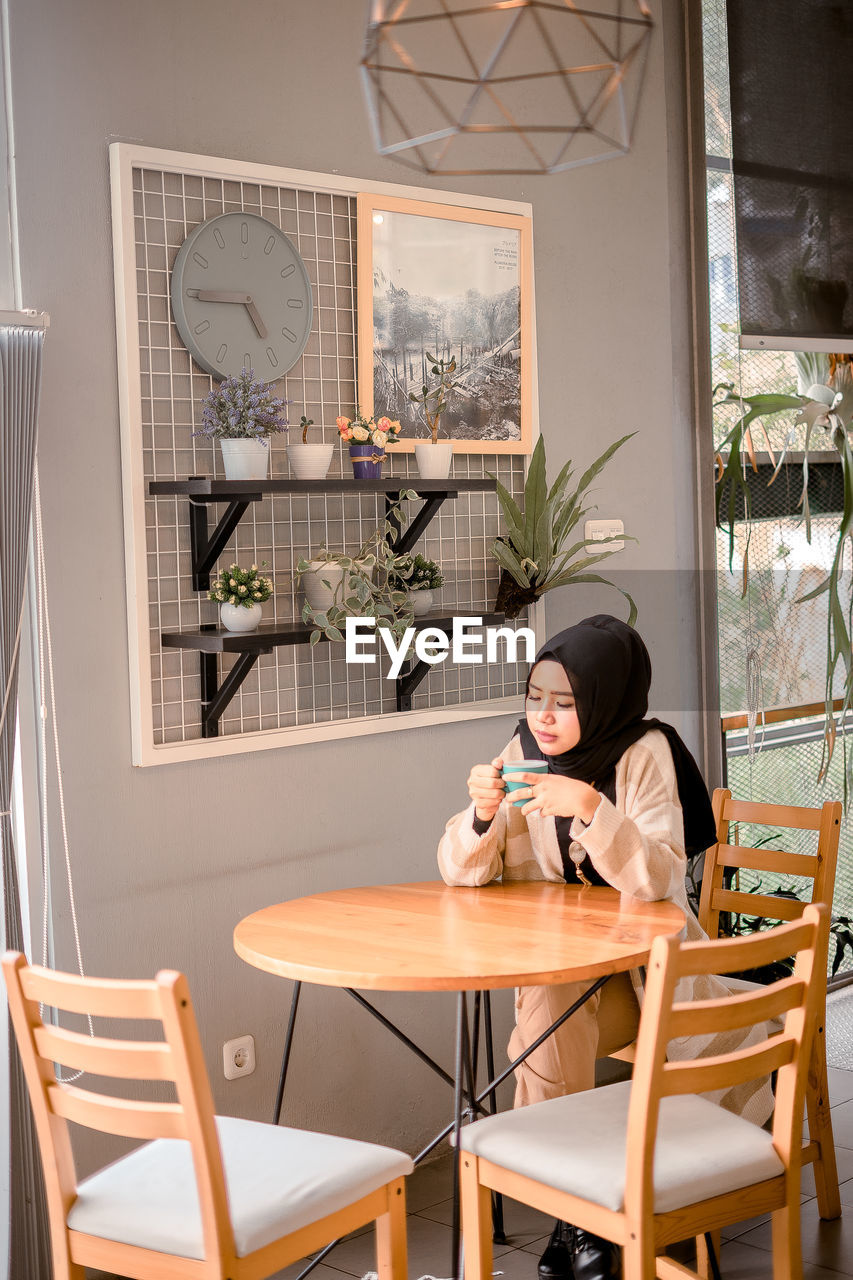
x,y
826,411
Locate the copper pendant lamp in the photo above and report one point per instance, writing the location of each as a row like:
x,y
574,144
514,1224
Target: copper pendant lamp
x,y
504,86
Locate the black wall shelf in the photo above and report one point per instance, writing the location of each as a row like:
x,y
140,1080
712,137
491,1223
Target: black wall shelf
x,y
206,547
209,641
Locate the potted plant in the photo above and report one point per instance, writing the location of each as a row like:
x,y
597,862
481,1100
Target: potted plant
x,y
367,438
240,593
421,578
363,585
532,553
434,459
309,461
320,578
825,403
242,412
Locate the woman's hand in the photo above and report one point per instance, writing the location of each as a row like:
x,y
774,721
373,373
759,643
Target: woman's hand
x,y
553,795
487,788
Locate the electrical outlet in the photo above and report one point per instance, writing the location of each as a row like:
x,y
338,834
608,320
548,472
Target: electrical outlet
x,y
238,1057
598,530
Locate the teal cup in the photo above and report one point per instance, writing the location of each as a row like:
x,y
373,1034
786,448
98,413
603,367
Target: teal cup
x,y
521,766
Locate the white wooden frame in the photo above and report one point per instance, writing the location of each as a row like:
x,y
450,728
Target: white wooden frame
x,y
124,157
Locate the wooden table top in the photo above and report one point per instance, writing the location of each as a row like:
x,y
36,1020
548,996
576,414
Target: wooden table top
x,y
430,937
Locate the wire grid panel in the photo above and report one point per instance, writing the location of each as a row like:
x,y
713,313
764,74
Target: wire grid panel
x,y
785,770
294,685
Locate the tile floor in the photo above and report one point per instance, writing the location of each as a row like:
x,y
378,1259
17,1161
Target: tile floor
x,y
827,1246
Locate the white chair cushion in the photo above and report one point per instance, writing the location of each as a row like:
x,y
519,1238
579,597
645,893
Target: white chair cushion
x,y
577,1144
277,1179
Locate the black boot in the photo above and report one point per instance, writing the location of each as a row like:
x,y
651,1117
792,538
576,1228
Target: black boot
x,y
596,1259
556,1261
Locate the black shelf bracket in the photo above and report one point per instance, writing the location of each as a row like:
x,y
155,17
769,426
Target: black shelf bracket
x,y
205,550
401,542
408,682
215,697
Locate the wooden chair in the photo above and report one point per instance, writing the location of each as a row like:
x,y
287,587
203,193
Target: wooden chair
x,y
716,898
230,1198
648,1162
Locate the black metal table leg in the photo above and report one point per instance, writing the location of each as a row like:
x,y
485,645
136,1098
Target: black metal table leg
x,y
285,1057
461,1036
498,1230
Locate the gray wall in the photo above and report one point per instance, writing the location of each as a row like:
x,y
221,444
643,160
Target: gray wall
x,y
160,878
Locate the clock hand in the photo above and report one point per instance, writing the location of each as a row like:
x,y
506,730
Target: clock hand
x,y
256,319
225,295
220,295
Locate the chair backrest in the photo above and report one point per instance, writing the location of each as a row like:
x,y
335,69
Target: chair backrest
x,y
797,997
176,1058
819,867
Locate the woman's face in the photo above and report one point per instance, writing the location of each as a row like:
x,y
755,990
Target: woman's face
x,y
552,716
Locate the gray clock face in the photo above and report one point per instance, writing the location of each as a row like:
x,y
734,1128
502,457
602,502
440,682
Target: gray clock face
x,y
241,297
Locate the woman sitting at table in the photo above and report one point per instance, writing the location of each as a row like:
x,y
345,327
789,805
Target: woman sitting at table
x,y
622,804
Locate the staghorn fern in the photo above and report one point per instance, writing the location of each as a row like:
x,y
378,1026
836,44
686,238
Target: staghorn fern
x,y
825,404
532,552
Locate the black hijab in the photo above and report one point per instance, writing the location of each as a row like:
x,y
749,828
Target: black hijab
x,y
610,673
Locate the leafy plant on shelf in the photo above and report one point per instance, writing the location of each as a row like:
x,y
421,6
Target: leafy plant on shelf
x,y
368,587
305,423
240,586
532,553
416,573
242,408
433,399
825,408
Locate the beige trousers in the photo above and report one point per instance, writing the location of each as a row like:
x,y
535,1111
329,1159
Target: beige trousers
x,y
565,1063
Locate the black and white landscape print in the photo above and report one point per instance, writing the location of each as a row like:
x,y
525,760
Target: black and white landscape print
x,y
447,289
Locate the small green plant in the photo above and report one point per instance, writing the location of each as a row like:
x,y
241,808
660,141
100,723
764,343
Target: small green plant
x,y
416,573
531,553
368,587
305,423
433,400
240,587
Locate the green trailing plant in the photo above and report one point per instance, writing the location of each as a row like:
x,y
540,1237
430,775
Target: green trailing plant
x,y
533,554
368,587
825,408
416,573
433,399
238,586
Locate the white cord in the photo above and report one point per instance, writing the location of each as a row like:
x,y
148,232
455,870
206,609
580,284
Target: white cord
x,y
45,650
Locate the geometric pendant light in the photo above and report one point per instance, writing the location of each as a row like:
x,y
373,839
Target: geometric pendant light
x,y
504,86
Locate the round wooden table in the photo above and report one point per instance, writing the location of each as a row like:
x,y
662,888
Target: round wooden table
x,y
431,937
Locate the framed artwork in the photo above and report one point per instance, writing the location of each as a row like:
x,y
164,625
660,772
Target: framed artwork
x,y
454,283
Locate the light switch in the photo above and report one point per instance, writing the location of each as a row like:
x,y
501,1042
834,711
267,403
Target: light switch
x,y
598,530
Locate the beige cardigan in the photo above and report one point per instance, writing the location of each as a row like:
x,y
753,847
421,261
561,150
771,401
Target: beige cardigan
x,y
636,844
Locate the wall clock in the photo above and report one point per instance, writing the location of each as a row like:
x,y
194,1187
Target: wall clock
x,y
241,297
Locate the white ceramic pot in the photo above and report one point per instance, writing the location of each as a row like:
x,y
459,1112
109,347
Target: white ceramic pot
x,y
240,617
313,583
434,459
421,602
245,459
310,461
